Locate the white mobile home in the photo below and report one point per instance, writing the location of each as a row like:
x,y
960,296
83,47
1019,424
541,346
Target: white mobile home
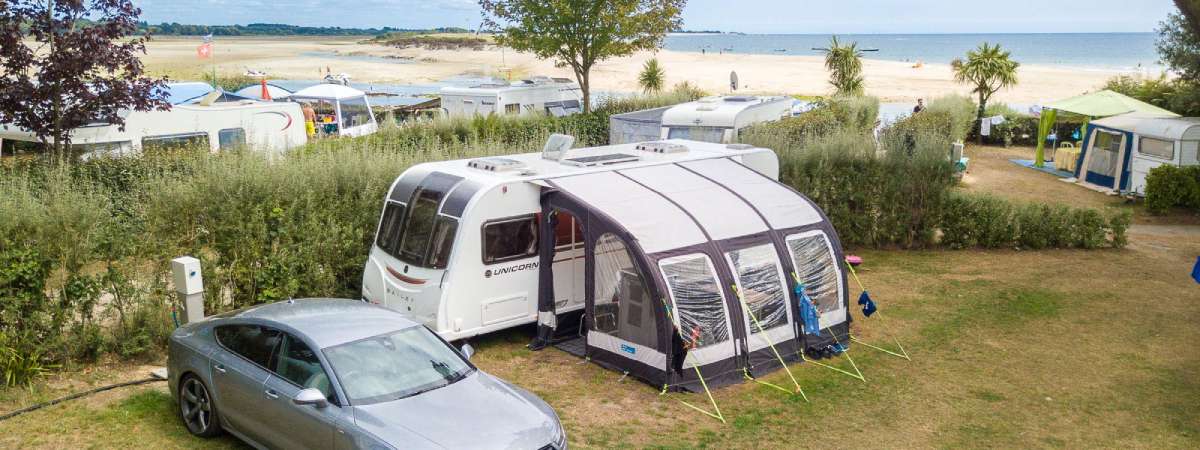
x,y
541,95
1119,151
720,119
637,238
265,126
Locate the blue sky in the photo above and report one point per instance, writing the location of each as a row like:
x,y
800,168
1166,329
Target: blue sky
x,y
751,16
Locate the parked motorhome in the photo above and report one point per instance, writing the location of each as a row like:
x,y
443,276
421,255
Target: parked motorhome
x,y
1119,151
540,95
638,238
720,119
264,126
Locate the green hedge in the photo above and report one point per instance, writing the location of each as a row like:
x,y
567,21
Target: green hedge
x,y
973,220
1170,187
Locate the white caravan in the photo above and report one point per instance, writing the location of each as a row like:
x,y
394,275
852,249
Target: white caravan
x,y
457,242
541,95
1119,151
265,126
720,119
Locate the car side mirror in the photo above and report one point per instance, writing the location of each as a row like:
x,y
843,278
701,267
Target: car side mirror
x,y
312,397
468,351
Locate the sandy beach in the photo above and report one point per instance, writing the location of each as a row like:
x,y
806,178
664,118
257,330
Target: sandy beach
x,y
307,58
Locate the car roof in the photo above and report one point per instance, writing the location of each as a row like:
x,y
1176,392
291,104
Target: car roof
x,y
327,321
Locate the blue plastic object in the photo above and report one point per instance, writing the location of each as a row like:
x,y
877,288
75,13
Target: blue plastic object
x,y
808,312
1196,270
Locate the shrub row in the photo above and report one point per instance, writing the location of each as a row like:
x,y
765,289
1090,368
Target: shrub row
x,y
991,222
1170,187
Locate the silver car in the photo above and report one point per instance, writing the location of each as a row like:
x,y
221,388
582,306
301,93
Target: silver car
x,y
343,374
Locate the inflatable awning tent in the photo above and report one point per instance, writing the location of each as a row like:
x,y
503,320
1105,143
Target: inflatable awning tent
x,y
1094,105
692,269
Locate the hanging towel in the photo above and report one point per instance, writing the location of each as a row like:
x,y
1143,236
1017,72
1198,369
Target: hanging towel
x,y
985,127
868,305
997,119
808,312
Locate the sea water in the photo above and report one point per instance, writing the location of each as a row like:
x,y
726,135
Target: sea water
x,y
1105,51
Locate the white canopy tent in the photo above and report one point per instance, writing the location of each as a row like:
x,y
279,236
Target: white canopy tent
x,y
350,110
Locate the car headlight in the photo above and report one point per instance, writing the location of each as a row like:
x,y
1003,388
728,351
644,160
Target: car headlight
x,y
560,436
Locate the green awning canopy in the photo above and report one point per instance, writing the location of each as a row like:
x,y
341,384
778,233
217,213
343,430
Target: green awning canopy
x,y
1094,105
1107,103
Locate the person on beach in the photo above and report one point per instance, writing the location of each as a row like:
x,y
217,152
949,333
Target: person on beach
x,y
920,106
310,119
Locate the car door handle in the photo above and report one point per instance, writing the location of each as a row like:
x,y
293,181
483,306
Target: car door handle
x,y
219,368
271,394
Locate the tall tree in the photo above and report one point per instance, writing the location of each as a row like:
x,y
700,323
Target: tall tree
x,y
987,69
652,78
1178,43
580,33
1190,9
844,63
70,63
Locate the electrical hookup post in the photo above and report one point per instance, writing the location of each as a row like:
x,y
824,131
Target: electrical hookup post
x,y
189,287
205,51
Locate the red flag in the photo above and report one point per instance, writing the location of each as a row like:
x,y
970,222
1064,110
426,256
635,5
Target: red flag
x,y
266,94
204,50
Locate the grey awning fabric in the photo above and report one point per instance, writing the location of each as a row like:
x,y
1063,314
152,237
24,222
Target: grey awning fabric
x,y
673,206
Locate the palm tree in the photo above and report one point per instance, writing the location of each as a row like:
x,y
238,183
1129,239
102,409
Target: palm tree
x,y
989,69
652,77
844,63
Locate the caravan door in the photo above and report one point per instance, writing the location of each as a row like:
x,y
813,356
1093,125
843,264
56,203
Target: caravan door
x,y
568,263
1102,166
1149,153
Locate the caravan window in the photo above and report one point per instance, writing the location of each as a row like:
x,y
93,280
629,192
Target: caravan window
x,y
512,109
355,112
417,235
1157,148
623,307
231,138
388,238
699,302
185,141
510,239
758,280
812,256
703,134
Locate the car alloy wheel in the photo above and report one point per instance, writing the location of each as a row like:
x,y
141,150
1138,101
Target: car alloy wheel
x,y
196,407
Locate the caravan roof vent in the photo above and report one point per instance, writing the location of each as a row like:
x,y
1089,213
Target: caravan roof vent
x,y
600,160
496,164
739,146
662,147
740,98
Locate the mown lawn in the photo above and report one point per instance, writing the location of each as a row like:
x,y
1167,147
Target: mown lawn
x,y
1010,349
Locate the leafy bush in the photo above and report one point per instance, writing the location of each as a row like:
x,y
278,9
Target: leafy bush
x,y
1178,95
958,110
857,113
972,220
1171,186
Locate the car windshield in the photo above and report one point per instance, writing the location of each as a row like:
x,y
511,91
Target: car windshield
x,y
395,365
